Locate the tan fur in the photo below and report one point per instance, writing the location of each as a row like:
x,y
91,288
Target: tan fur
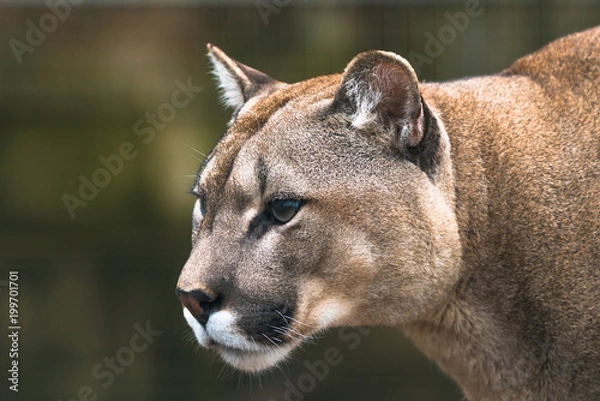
x,y
467,214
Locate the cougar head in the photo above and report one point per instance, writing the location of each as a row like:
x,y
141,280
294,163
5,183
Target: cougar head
x,y
327,202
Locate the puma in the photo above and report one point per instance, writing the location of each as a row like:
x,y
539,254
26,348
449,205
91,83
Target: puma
x,y
466,214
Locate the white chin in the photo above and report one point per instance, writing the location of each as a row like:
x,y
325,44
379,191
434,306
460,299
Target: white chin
x,y
237,351
254,361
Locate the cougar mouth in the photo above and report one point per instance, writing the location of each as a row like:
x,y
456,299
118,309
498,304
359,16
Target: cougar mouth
x,y
222,335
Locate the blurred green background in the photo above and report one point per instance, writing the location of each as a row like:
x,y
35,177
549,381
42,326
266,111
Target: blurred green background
x,y
86,86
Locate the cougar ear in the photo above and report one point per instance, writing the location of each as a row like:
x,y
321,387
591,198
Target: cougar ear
x,y
238,83
381,89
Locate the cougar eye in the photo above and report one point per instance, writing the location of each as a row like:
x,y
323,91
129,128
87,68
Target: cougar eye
x,y
283,210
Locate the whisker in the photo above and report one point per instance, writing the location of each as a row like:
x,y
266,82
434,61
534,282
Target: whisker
x,y
279,340
299,322
270,339
195,150
299,334
278,329
222,373
260,386
283,316
197,158
292,332
213,360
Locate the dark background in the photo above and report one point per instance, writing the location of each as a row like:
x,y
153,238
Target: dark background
x,y
85,282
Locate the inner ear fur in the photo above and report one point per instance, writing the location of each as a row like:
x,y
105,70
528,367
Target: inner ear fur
x,y
380,90
238,82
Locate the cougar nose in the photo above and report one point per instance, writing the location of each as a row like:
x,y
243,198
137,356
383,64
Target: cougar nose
x,y
199,303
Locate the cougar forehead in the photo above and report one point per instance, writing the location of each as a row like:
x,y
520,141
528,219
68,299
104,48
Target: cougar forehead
x,y
250,120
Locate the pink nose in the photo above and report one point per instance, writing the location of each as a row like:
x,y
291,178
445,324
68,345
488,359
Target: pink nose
x,y
199,303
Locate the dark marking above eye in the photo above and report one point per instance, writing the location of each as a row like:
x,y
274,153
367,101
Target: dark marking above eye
x,y
261,174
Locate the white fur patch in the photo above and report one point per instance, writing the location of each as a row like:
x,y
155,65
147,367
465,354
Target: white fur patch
x,y
365,99
222,328
197,211
197,328
256,361
229,85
